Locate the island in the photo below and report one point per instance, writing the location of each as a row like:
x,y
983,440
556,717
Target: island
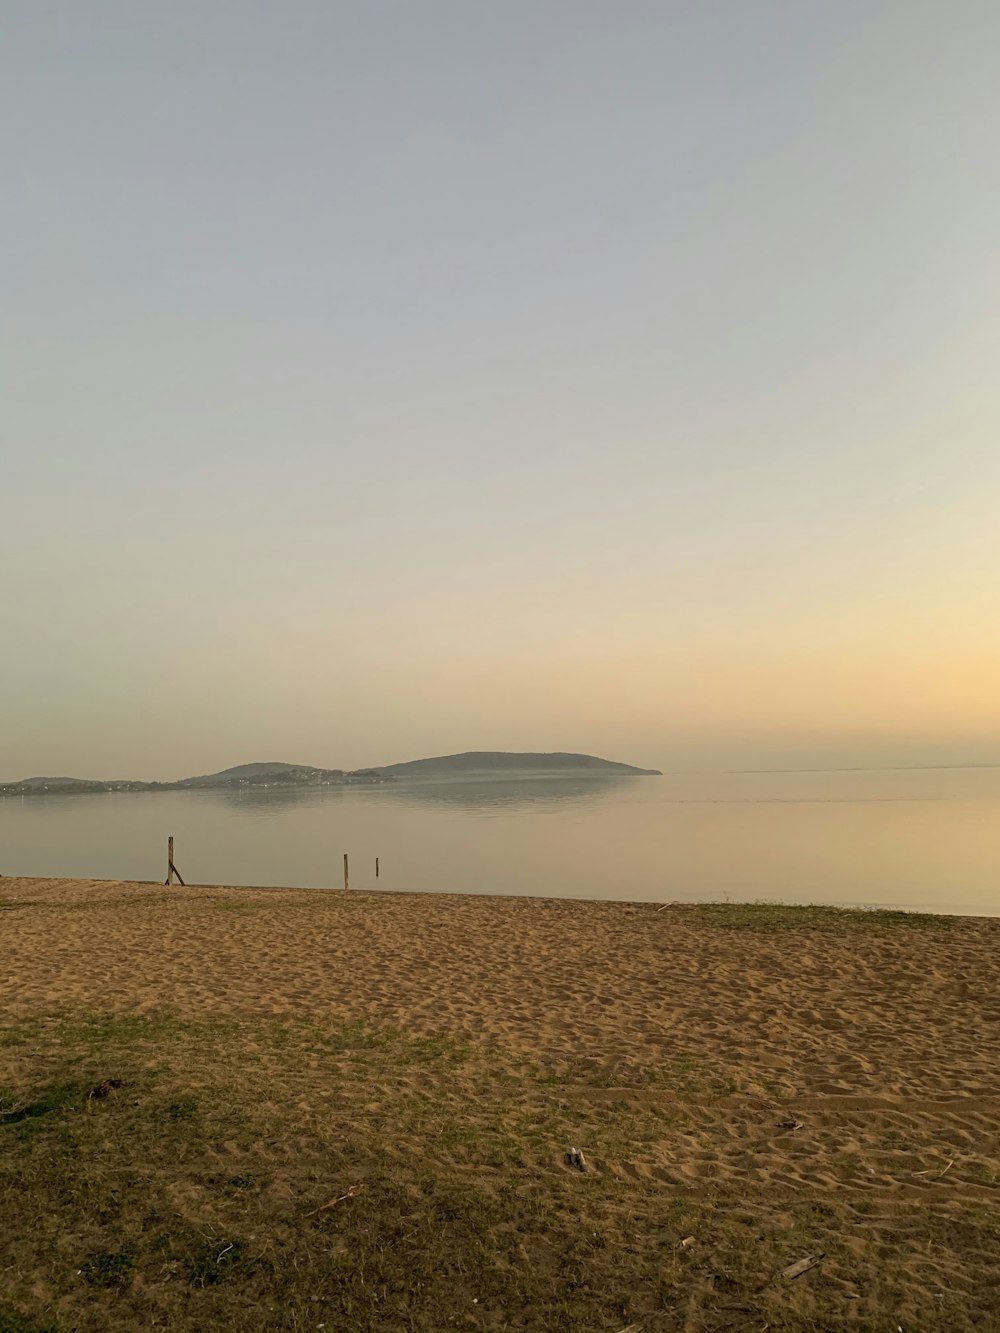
x,y
472,763
505,763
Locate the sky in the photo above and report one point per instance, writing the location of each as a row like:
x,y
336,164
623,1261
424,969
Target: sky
x,y
395,378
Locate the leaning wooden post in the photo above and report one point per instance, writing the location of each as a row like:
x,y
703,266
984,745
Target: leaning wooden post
x,y
345,872
171,868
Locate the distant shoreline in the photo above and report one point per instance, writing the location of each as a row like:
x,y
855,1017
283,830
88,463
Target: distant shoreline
x,y
86,787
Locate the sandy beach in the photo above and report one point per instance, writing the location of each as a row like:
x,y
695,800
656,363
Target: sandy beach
x,y
847,1063
808,1013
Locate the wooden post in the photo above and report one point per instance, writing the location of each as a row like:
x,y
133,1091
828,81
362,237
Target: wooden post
x,y
376,867
171,868
345,872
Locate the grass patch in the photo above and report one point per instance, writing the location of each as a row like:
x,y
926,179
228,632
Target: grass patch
x,y
55,1097
246,1180
285,1175
107,1269
13,1322
215,1261
183,1109
775,918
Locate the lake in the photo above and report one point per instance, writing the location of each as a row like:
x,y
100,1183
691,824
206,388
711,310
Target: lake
x,y
917,838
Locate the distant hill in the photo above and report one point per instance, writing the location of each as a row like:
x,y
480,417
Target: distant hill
x,y
237,774
503,761
270,774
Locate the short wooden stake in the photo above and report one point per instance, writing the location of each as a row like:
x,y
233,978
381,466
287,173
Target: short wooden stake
x,y
345,872
376,867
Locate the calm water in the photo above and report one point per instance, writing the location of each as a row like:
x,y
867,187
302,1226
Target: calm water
x,y
924,839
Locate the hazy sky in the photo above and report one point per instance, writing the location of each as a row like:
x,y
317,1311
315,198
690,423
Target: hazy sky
x,y
386,379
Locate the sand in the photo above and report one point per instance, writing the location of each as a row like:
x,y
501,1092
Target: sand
x,y
853,1063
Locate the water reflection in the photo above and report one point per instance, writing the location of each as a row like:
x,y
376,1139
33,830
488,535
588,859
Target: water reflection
x,y
483,795
258,801
480,796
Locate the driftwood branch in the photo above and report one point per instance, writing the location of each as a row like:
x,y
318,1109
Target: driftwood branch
x,y
803,1266
355,1189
